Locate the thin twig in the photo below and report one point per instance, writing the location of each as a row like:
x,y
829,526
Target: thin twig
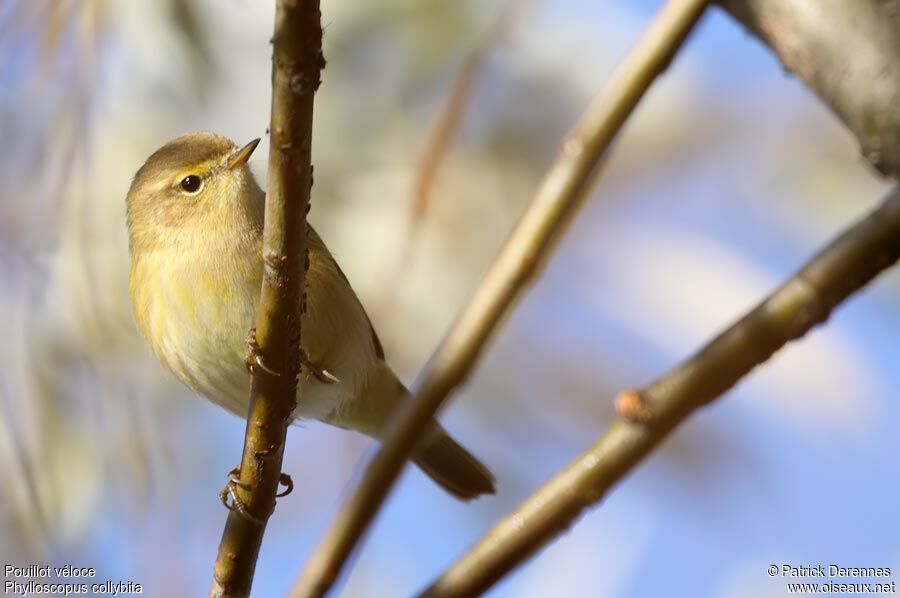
x,y
561,192
649,414
438,144
296,69
447,123
28,473
846,52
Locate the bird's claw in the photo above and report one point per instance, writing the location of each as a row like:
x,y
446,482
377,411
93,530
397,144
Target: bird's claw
x,y
321,374
255,359
254,355
324,376
286,481
236,505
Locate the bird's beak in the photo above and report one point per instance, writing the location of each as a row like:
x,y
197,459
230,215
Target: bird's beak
x,y
240,157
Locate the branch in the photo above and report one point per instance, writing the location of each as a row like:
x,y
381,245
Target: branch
x,y
296,69
561,192
846,52
649,414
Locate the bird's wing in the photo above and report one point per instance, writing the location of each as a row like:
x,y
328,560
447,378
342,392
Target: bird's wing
x,y
317,241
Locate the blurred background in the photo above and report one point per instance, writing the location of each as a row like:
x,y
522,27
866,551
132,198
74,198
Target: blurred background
x,y
727,178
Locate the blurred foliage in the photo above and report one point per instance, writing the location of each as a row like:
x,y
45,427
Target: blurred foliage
x,y
102,439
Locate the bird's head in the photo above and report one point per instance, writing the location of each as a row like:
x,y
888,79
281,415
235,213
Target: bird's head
x,y
193,189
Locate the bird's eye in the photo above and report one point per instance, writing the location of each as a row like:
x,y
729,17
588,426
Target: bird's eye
x,y
191,184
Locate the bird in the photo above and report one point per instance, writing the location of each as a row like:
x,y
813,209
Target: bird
x,y
194,215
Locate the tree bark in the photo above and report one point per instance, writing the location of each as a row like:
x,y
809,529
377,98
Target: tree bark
x,y
848,53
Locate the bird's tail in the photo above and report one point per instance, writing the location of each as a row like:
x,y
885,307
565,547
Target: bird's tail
x,y
451,466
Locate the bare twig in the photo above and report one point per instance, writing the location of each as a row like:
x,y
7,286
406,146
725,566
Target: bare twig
x,y
649,414
847,53
296,69
561,192
448,120
438,143
23,460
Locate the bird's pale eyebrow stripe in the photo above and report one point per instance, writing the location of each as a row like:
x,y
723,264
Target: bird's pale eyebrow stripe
x,y
203,170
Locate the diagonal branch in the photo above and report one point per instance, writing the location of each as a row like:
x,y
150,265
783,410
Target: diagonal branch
x,y
847,53
296,69
649,414
530,243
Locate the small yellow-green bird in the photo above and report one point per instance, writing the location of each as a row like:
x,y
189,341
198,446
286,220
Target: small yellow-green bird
x,y
195,225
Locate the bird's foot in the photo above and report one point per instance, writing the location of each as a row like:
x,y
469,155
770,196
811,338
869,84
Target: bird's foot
x,y
236,505
254,355
321,374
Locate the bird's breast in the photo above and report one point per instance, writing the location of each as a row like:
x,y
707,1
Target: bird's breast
x,y
195,314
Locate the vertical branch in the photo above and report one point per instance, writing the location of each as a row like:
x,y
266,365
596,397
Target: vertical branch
x,y
649,414
296,69
530,243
